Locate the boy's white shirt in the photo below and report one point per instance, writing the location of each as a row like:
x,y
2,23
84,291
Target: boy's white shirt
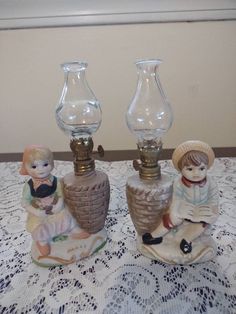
x,y
198,204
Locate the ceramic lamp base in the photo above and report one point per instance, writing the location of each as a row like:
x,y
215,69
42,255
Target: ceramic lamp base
x,y
87,198
65,250
147,200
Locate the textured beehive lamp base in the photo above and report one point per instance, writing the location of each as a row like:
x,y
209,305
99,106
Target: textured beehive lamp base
x,y
87,198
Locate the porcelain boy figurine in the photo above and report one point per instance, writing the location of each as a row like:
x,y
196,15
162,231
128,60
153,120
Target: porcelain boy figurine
x,y
194,206
49,220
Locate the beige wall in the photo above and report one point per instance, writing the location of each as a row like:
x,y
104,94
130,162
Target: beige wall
x,y
198,76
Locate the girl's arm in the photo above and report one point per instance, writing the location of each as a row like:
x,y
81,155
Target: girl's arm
x,y
60,202
58,206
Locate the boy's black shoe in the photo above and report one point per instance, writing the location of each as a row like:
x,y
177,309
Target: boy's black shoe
x,y
148,239
185,246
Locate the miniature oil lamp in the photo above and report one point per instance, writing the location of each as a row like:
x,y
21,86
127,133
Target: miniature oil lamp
x,y
86,190
149,117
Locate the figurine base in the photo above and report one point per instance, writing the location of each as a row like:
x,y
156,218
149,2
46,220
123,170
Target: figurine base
x,y
203,249
65,250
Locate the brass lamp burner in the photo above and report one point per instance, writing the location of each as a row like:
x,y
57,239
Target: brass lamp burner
x,y
148,166
82,149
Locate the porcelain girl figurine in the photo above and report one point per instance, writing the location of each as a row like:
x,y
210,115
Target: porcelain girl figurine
x,y
193,208
52,227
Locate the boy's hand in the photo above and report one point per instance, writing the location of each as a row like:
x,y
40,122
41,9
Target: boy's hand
x,y
201,213
185,210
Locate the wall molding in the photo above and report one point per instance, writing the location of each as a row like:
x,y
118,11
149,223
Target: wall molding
x,y
56,13
117,155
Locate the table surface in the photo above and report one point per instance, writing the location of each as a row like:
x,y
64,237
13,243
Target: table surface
x,y
118,279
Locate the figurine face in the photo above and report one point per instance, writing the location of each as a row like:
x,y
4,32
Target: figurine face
x,y
195,173
39,169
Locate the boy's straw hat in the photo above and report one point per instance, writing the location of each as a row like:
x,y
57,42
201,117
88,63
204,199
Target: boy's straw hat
x,y
188,146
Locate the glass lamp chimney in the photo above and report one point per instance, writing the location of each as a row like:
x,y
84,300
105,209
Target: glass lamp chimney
x,y
78,113
149,116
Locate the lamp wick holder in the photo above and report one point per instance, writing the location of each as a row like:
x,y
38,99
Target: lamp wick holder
x,y
148,166
82,149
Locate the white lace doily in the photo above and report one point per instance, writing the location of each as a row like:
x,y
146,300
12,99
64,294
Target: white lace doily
x,y
117,279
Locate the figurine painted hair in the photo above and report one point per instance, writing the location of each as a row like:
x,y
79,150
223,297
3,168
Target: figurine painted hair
x,y
194,204
43,199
